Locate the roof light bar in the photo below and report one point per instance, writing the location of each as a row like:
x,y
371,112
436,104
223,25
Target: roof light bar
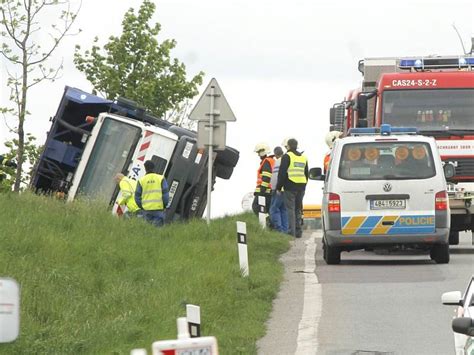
x,y
384,130
436,62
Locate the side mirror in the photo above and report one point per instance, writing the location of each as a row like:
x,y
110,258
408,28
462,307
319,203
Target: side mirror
x,y
332,116
362,106
316,174
463,325
452,298
362,123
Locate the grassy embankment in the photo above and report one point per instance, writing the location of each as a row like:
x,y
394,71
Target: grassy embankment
x,y
93,284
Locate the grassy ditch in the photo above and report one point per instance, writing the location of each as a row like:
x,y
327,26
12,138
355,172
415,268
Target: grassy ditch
x,y
94,284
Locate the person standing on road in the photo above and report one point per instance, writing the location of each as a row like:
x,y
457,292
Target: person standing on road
x,y
264,176
127,188
292,179
152,195
278,212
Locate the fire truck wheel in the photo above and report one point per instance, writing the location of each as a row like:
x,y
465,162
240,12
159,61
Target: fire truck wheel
x,y
453,238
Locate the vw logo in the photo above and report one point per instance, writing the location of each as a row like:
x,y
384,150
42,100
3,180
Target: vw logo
x,y
387,187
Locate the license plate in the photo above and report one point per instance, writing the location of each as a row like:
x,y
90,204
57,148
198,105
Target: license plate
x,y
387,204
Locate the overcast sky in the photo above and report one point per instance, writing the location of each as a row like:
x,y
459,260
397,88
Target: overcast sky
x,y
281,64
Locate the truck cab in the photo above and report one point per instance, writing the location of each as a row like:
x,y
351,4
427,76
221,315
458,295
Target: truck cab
x,y
93,139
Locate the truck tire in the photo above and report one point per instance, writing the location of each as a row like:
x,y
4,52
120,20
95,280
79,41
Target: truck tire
x,y
224,171
453,237
440,253
227,157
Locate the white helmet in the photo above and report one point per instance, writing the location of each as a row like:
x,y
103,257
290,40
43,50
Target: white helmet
x,y
262,147
331,137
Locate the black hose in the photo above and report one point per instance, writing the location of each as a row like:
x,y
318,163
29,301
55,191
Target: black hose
x,y
73,128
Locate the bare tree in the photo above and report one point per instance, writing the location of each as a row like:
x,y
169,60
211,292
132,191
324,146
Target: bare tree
x,y
22,22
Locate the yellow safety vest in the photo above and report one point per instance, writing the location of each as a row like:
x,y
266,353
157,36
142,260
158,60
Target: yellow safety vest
x,y
152,196
128,187
296,168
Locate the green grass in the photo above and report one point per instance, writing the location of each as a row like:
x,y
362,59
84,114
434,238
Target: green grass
x,y
94,284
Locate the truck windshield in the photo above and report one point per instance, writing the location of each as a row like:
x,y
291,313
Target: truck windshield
x,y
112,151
429,110
386,161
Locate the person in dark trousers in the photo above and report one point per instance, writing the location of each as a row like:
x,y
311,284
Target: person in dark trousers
x,y
264,176
278,212
292,179
152,195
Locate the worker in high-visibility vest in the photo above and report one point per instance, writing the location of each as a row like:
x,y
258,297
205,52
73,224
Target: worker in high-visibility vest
x,y
152,195
264,176
127,189
331,137
292,180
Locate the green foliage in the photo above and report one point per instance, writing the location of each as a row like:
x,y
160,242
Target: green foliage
x,y
26,58
138,67
95,284
31,155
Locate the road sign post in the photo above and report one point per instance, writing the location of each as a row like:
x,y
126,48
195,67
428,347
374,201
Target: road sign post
x,y
9,310
214,110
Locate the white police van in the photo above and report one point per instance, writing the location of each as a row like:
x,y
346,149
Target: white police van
x,y
385,187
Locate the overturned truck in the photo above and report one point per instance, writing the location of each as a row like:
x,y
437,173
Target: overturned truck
x,y
92,139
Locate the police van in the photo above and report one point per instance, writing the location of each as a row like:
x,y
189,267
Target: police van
x,y
385,187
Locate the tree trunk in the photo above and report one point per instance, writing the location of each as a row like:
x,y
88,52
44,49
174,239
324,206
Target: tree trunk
x,y
21,120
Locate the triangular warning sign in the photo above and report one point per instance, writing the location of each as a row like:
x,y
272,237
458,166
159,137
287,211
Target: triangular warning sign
x,y
222,110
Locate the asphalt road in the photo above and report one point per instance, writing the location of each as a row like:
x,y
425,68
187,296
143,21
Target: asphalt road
x,y
370,304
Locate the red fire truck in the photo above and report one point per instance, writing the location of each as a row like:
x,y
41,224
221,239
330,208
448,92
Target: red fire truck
x,y
433,94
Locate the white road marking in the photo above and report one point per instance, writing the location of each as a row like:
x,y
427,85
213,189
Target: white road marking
x,y
307,341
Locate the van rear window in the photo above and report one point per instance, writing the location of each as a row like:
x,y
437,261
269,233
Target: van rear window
x,y
386,161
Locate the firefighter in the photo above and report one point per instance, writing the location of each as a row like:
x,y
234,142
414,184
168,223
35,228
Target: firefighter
x,y
127,188
152,195
331,137
264,176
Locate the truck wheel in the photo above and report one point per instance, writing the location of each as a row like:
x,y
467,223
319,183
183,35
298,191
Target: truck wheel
x,y
333,255
224,171
227,157
453,238
440,253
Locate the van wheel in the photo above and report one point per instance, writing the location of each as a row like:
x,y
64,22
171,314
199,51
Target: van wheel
x,y
440,253
333,255
453,238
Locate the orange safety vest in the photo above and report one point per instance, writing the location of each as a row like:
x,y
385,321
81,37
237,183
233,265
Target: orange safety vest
x,y
260,182
327,158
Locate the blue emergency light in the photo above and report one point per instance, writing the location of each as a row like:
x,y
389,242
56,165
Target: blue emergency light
x,y
384,130
436,62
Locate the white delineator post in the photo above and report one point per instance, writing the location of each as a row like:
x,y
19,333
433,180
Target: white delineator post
x,y
242,247
262,211
193,316
9,310
138,352
210,154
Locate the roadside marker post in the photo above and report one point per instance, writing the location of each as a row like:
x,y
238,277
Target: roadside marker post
x,y
242,247
184,344
193,316
262,211
9,310
138,352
